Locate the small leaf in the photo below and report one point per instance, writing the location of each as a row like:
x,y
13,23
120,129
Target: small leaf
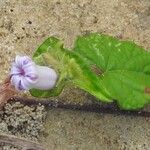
x,y
40,55
51,42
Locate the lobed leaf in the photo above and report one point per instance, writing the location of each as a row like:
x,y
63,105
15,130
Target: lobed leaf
x,y
125,66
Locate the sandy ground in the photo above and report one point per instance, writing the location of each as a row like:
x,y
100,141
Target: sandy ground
x,y
24,24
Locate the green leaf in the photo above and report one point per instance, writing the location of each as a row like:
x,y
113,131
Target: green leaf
x,y
50,43
53,45
84,78
125,67
70,68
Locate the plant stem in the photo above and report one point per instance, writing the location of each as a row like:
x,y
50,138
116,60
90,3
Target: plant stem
x,y
108,108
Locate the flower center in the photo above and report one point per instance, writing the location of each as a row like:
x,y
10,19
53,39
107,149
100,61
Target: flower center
x,y
22,72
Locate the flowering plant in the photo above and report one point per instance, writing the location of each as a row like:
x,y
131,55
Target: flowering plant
x,y
109,69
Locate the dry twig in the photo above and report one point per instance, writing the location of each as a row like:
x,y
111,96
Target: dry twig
x,y
23,143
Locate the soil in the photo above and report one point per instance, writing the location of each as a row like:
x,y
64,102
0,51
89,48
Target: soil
x,y
22,121
25,24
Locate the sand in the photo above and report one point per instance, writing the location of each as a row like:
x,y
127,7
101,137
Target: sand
x,y
25,24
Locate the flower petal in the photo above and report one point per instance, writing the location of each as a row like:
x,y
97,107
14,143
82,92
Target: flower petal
x,y
26,60
15,81
25,85
18,61
14,69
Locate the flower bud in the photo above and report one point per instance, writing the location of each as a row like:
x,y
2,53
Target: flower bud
x,y
25,75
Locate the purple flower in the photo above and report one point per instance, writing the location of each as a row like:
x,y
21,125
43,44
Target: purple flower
x,y
25,75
